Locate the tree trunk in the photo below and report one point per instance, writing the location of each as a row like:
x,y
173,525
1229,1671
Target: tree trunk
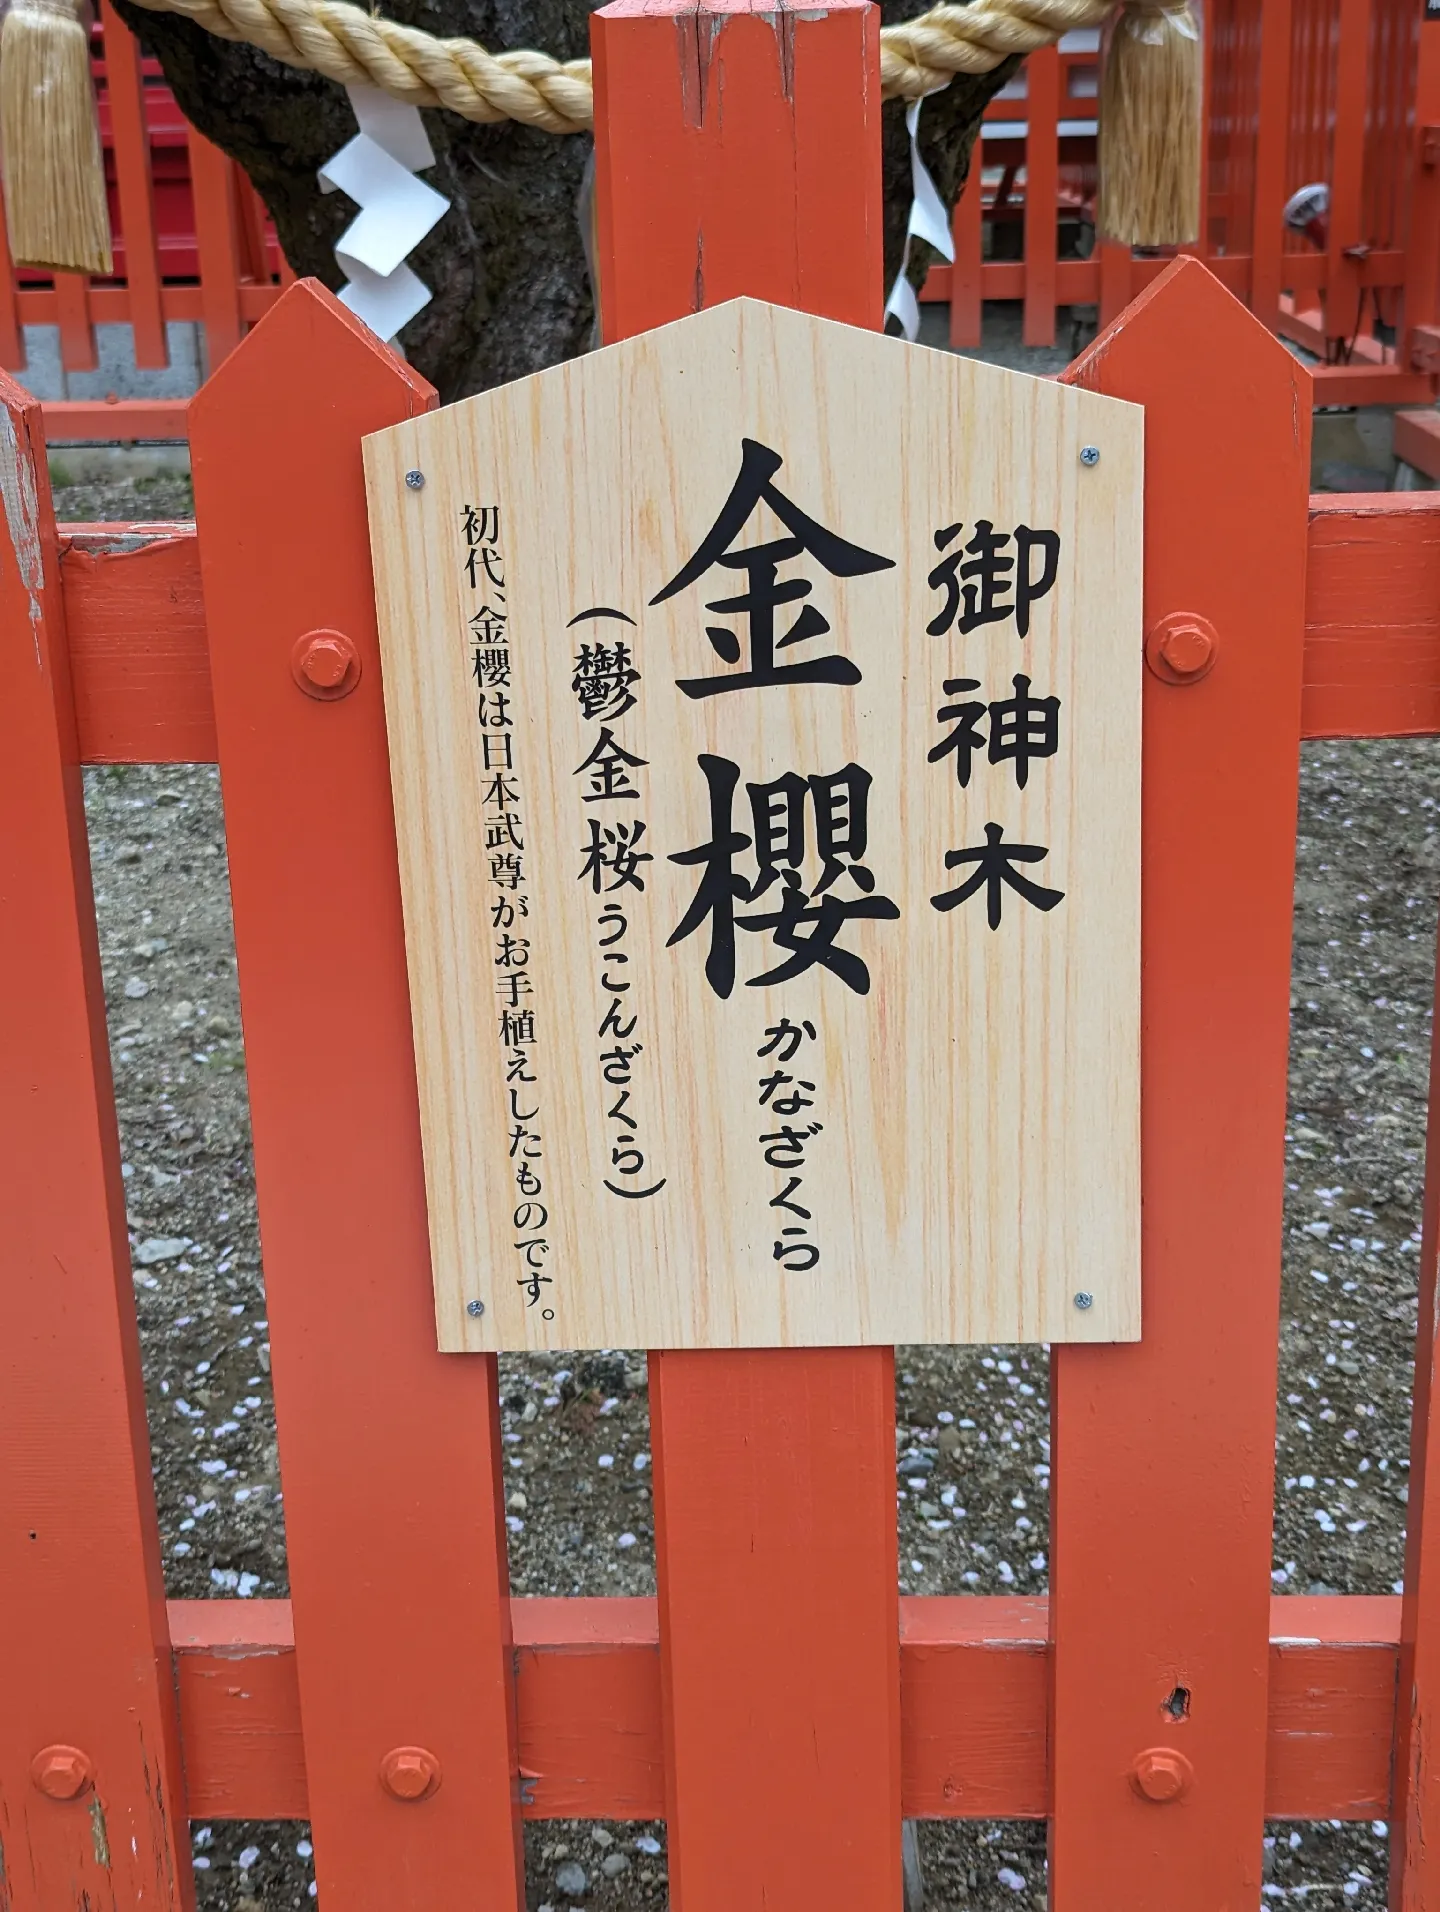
x,y
506,264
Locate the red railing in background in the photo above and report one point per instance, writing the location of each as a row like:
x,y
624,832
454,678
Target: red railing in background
x,y
192,242
1297,90
1340,91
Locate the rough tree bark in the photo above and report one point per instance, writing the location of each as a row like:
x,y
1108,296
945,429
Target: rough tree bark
x,y
506,264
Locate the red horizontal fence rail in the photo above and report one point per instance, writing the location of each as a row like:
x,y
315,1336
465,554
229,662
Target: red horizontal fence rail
x,y
778,1704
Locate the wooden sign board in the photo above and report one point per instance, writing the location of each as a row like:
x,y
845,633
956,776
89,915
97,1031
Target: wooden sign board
x,y
764,713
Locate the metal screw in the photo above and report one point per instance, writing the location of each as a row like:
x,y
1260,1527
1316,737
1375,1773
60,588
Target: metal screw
x,y
1083,1301
1089,454
475,1308
410,1772
325,664
1161,1774
61,1772
415,480
1187,649
1182,647
325,661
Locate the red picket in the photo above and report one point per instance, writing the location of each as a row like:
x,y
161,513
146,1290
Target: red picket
x,y
1042,188
397,1561
92,1790
727,158
1160,1623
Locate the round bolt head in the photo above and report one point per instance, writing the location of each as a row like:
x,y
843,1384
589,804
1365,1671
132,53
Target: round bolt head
x,y
1181,649
410,1772
475,1309
1084,1301
62,1772
325,664
1089,454
1162,1775
415,480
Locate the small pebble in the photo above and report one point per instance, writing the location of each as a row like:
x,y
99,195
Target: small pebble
x,y
571,1879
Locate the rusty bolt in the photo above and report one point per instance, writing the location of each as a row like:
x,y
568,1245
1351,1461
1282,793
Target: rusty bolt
x,y
325,664
1161,1774
410,1772
1181,648
62,1772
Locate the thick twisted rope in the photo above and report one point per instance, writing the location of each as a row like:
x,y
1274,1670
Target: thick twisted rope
x,y
351,46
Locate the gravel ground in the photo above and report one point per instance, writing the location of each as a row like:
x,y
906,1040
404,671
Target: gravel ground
x,y
972,1455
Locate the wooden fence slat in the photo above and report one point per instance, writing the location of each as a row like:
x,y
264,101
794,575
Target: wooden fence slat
x,y
1414,1850
1347,170
1422,251
967,229
389,1451
1042,189
12,341
1272,140
217,241
76,322
1164,1450
774,1470
1115,279
84,1645
125,91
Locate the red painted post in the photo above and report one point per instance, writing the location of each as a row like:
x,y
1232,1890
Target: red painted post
x,y
967,229
1414,1852
389,1451
92,1799
1415,1809
1347,171
1164,1450
125,90
775,1470
217,241
1422,246
77,329
1042,190
1272,144
12,340
1115,275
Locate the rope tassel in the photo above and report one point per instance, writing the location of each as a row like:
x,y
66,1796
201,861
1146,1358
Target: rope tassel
x,y
50,141
1150,132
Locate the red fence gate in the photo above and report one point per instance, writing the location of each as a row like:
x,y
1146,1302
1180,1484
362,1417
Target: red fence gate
x,y
778,1704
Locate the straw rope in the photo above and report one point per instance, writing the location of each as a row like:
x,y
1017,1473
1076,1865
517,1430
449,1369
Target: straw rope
x,y
351,46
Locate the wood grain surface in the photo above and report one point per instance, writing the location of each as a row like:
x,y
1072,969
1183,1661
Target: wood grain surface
x,y
976,1088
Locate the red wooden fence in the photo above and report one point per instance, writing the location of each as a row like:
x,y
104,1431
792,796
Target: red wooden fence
x,y
777,1704
1297,91
1345,91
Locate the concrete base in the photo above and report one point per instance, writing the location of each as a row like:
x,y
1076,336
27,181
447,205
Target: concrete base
x,y
117,372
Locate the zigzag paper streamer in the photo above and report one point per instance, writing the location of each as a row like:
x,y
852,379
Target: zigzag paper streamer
x,y
377,170
927,221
